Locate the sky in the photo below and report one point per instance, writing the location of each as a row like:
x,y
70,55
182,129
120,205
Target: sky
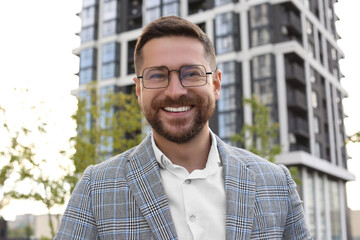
x,y
37,39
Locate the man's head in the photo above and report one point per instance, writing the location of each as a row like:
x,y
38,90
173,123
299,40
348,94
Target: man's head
x,y
173,26
176,83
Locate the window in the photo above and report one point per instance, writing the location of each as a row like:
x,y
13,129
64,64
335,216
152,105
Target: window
x,y
110,28
109,70
227,99
88,34
310,202
321,199
259,15
109,52
87,71
105,114
226,33
110,60
222,2
264,90
86,75
88,17
158,8
86,96
229,102
170,8
110,10
87,57
110,18
260,37
262,66
227,124
88,3
335,222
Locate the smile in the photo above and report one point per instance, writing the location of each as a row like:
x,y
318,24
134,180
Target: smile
x,y
177,109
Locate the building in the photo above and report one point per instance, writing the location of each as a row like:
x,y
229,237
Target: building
x,y
355,224
284,51
31,226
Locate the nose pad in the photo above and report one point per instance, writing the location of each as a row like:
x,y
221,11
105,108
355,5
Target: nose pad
x,y
175,88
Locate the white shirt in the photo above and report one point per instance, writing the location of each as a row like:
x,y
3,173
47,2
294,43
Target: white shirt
x,y
197,200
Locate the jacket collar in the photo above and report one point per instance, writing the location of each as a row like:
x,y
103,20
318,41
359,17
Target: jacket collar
x,y
144,179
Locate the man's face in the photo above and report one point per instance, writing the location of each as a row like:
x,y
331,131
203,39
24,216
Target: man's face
x,y
177,113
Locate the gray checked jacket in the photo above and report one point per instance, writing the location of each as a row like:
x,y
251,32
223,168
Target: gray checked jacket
x,y
123,198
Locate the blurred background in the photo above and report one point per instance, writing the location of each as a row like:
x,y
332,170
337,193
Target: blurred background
x,y
66,66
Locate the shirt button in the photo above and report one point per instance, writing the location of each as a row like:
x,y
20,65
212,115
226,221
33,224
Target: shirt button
x,y
188,181
192,218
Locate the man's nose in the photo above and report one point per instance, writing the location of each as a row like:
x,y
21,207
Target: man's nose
x,y
175,89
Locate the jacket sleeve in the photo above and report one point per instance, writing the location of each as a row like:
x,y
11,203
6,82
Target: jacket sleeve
x,y
78,221
295,226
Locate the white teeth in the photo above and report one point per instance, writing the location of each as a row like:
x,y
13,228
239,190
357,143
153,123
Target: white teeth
x,y
178,109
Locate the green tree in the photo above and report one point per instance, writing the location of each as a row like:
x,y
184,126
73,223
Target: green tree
x,y
23,174
260,136
354,138
106,126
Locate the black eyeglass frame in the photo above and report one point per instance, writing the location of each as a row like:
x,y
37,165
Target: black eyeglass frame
x,y
168,78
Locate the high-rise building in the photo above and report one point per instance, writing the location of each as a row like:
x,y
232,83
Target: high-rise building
x,y
283,51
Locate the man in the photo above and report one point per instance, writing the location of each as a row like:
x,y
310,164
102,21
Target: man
x,y
182,181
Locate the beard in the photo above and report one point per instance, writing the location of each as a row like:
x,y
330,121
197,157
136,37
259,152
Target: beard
x,y
174,129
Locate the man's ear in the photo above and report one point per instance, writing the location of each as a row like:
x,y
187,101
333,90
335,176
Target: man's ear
x,y
138,88
217,84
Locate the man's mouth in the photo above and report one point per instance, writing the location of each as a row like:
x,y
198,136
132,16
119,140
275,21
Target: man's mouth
x,y
177,109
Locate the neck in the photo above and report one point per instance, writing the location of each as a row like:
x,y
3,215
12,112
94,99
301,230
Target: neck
x,y
191,155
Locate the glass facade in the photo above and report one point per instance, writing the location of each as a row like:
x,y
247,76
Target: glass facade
x,y
110,60
111,24
311,202
229,109
106,114
89,18
87,71
259,25
334,198
159,8
227,33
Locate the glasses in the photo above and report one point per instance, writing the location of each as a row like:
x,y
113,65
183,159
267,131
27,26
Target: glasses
x,y
190,76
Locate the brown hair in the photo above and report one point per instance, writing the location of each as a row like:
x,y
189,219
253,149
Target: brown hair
x,y
173,26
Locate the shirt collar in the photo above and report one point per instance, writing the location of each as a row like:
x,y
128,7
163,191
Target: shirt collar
x,y
213,161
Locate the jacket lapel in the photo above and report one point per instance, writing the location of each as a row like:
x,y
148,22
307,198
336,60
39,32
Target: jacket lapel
x,y
144,179
240,194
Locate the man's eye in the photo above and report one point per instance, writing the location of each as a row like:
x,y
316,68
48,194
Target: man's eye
x,y
191,74
157,76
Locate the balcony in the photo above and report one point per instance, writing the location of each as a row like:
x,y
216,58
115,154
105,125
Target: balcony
x,y
298,147
294,72
298,126
292,21
296,100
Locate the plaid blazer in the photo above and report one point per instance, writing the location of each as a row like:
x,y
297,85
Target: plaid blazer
x,y
123,198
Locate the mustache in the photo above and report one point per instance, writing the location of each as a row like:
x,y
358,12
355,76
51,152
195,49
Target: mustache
x,y
184,100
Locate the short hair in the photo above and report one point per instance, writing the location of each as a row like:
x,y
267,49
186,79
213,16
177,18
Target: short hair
x,y
173,26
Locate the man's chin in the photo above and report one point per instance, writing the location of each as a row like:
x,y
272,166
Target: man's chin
x,y
178,134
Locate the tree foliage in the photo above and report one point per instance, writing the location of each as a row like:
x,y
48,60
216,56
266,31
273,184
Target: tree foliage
x,y
106,127
354,138
260,136
22,173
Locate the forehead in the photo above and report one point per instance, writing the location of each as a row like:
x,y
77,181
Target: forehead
x,y
173,52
